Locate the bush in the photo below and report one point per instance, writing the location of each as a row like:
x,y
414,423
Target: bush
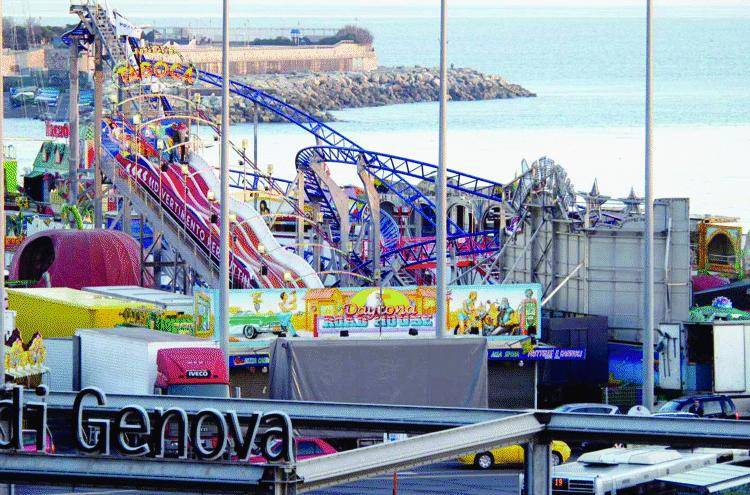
x,y
360,35
278,41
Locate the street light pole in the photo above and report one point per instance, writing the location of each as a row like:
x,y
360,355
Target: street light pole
x,y
441,201
2,215
224,179
98,116
648,266
73,122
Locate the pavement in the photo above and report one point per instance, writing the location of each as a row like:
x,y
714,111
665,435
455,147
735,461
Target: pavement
x,y
446,478
440,479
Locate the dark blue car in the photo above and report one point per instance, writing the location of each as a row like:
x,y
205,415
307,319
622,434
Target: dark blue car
x,y
705,406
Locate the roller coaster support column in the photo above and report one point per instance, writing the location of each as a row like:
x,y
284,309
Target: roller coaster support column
x,y
156,250
441,200
255,134
73,139
224,179
341,201
373,202
300,220
98,112
127,216
315,238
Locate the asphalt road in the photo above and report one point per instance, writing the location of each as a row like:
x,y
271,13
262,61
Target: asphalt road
x,y
440,479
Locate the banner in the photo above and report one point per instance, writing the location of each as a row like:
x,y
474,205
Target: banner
x,y
538,354
489,310
176,73
57,129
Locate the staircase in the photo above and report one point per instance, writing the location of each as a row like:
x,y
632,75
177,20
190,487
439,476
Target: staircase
x,y
402,275
96,20
173,231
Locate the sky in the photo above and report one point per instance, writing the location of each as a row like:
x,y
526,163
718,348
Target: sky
x,y
265,8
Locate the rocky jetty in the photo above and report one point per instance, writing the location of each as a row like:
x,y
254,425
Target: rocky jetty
x,y
320,93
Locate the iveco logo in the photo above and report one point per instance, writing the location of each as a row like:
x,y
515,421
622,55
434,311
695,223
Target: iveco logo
x,y
198,374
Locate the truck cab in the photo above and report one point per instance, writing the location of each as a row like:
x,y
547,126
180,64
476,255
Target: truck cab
x,y
192,371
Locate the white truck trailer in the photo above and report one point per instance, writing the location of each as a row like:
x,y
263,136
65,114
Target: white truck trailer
x,y
124,360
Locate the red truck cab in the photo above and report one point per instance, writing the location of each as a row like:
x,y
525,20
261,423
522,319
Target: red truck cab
x,y
192,371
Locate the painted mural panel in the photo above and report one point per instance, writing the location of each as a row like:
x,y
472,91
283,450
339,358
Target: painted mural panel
x,y
373,312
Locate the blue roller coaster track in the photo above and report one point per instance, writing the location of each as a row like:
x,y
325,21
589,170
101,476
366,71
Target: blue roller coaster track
x,y
392,172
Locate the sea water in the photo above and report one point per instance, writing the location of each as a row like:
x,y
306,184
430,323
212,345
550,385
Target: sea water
x,y
587,68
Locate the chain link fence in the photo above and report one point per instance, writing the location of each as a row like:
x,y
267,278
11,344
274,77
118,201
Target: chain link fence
x,y
622,396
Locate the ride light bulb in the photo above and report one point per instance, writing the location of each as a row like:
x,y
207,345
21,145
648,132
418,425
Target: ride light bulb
x,y
185,169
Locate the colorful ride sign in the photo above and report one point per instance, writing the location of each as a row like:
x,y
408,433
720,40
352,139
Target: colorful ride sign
x,y
493,310
175,72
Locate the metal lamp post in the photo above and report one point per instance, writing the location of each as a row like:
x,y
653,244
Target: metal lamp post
x,y
648,265
223,318
2,214
441,203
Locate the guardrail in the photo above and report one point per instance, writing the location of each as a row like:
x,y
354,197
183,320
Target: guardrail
x,y
454,431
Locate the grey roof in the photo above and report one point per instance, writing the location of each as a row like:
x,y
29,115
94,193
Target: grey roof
x,y
716,477
143,294
140,334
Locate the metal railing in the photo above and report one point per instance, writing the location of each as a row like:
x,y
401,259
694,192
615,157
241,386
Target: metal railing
x,y
174,232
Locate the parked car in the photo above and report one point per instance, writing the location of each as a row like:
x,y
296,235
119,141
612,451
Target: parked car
x,y
673,415
306,448
28,439
512,455
706,406
29,442
589,408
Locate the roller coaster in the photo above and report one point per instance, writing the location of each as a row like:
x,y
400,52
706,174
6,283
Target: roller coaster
x,y
382,232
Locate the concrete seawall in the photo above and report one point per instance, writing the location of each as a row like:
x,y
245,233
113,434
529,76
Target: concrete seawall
x,y
343,57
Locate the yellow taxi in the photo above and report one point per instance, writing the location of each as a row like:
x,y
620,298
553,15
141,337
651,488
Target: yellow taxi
x,y
512,455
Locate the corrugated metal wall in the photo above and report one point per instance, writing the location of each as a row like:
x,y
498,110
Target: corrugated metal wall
x,y
609,283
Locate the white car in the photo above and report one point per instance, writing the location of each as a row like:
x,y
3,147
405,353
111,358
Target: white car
x,y
588,408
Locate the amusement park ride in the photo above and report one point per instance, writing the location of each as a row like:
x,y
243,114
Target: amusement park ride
x,y
321,234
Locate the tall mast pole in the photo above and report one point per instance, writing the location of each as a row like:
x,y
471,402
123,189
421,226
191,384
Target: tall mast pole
x,y
2,216
73,118
648,266
441,200
98,116
224,213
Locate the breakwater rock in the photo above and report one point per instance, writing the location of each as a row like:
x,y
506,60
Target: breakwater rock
x,y
320,93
